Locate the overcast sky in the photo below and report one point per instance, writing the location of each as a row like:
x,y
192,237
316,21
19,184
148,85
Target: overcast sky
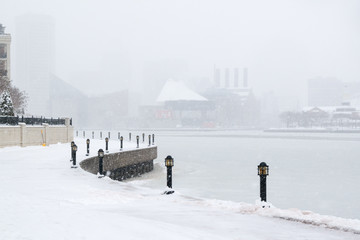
x,y
283,43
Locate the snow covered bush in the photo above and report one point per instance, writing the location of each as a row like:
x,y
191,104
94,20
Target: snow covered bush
x,y
6,105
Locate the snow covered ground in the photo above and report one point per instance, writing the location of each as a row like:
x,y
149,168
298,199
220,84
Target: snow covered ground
x,y
43,198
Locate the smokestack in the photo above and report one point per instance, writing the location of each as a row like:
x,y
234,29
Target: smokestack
x,y
227,78
236,77
245,77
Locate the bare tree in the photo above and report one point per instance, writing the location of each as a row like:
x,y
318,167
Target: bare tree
x,y
19,98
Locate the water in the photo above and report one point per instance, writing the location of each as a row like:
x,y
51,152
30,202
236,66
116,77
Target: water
x,y
313,171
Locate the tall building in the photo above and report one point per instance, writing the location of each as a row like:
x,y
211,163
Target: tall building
x,y
35,52
5,41
325,92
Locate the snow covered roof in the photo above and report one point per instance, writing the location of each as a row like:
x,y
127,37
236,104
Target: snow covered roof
x,y
177,91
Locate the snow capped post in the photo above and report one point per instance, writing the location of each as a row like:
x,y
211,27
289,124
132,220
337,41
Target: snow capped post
x,y
107,145
263,171
169,163
74,148
149,140
153,139
87,147
143,135
101,156
121,143
137,141
129,137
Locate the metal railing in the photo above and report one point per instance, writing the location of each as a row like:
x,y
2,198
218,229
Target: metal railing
x,y
10,120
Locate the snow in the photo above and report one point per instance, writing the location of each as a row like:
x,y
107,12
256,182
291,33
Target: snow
x,y
43,198
177,91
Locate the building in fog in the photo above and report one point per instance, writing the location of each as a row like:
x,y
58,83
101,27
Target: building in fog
x,y
35,62
5,41
325,92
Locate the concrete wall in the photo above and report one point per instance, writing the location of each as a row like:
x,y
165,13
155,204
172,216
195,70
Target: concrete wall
x,y
122,165
23,135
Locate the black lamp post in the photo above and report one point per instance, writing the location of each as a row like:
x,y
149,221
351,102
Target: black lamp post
x,y
74,148
87,147
137,141
121,143
149,140
153,139
263,171
71,150
101,156
169,163
107,144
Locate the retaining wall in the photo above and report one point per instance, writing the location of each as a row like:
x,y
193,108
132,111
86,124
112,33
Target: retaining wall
x,y
123,165
24,135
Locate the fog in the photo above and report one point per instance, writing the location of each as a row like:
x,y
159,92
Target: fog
x,y
107,46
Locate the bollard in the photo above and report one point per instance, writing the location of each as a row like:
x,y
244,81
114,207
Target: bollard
x,y
100,135
263,171
137,141
83,134
129,137
149,140
121,143
169,163
87,147
109,135
119,135
143,135
92,135
77,133
101,156
107,145
153,139
74,156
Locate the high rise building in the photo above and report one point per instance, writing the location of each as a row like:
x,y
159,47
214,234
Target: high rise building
x,y
35,52
325,92
5,41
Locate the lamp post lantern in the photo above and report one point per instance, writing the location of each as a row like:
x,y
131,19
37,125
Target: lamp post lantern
x,y
153,139
87,147
137,141
107,144
169,163
74,148
263,171
121,143
101,156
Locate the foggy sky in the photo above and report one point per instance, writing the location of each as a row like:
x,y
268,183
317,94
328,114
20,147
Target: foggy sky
x,y
105,45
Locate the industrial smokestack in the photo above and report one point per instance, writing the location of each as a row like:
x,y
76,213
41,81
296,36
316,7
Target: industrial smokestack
x,y
236,77
227,78
245,77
